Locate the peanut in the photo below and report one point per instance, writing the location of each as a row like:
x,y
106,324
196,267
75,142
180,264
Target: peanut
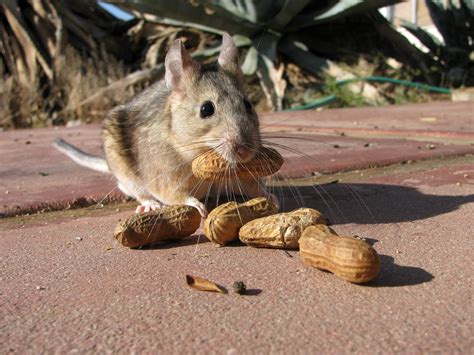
x,y
223,222
168,223
349,258
281,230
211,166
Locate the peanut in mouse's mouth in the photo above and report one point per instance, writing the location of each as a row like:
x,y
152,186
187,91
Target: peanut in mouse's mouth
x,y
213,166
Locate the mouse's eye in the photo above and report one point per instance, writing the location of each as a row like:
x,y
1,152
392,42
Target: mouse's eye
x,y
207,109
248,105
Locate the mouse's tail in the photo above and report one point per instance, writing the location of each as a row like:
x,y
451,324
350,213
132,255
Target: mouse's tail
x,y
82,158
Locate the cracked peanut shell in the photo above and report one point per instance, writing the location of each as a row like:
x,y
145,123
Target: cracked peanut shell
x,y
282,230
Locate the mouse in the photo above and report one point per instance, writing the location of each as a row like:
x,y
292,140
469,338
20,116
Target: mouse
x,y
151,141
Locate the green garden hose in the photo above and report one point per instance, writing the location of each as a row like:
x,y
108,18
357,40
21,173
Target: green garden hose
x,y
328,99
313,104
384,79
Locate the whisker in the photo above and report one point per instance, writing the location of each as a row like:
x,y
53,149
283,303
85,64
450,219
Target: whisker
x,y
312,140
292,150
237,182
315,188
295,192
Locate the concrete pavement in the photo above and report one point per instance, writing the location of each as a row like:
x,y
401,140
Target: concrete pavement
x,y
67,286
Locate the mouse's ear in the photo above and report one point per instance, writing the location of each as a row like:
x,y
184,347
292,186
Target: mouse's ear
x,y
229,56
178,65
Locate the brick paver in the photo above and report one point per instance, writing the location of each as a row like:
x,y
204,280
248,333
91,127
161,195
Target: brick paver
x,y
66,285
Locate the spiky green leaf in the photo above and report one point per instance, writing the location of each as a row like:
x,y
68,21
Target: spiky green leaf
x,y
431,42
337,11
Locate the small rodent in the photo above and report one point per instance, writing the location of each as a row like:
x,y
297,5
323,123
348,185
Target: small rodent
x,y
151,141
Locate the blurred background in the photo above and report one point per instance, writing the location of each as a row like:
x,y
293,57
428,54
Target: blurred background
x,y
67,62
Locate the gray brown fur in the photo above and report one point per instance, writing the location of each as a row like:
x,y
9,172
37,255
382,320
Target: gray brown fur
x,y
151,141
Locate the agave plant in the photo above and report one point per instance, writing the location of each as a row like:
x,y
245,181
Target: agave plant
x,y
34,36
265,27
454,58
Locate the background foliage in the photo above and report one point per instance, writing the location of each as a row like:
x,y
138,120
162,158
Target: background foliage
x,y
63,60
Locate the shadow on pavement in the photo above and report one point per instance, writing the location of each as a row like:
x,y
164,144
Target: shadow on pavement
x,y
171,244
368,203
393,275
252,292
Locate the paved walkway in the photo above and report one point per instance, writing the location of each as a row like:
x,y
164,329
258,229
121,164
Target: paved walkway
x,y
405,180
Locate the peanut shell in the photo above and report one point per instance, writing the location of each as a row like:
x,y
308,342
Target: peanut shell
x,y
200,284
282,230
212,166
223,222
168,223
349,258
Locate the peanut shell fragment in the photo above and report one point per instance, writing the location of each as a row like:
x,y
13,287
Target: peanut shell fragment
x,y
282,230
201,284
212,166
349,258
223,222
168,223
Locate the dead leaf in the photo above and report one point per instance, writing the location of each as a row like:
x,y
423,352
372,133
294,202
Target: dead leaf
x,y
201,284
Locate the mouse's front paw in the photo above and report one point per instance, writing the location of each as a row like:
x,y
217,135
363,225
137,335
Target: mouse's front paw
x,y
148,205
193,201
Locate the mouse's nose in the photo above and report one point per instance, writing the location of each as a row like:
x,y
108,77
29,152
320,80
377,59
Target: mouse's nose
x,y
243,153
